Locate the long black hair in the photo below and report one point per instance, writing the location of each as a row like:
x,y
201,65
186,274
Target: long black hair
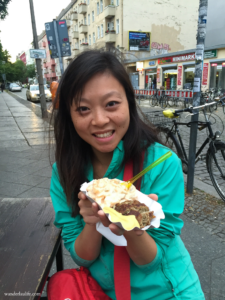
x,y
73,153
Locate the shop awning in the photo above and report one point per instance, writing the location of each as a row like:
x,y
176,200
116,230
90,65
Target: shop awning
x,y
151,73
171,71
190,70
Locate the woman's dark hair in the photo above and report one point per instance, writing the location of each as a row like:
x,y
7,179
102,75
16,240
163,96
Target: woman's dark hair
x,y
72,153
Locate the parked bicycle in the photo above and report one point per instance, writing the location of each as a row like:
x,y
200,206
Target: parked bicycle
x,y
215,156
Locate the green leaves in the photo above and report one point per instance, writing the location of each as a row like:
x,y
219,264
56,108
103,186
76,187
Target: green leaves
x,y
4,8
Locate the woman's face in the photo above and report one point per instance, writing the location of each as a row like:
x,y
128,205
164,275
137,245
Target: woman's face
x,y
102,119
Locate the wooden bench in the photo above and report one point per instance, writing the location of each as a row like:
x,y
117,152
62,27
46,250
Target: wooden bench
x,y
29,242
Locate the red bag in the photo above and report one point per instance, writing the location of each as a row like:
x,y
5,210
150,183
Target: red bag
x,y
77,284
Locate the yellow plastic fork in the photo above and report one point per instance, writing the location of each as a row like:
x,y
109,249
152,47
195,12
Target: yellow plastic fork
x,y
129,182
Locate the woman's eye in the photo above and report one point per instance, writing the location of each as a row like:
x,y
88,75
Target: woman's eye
x,y
82,108
112,103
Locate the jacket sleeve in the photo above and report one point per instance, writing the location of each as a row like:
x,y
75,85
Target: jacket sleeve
x,y
71,227
166,181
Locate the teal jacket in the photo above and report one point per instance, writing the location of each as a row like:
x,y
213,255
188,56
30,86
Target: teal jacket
x,y
171,274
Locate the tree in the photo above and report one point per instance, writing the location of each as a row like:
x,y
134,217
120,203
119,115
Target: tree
x,y
30,71
4,8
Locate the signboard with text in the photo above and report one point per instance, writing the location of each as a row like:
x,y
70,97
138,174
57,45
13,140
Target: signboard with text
x,y
176,59
158,75
205,74
210,54
179,75
64,43
38,53
139,41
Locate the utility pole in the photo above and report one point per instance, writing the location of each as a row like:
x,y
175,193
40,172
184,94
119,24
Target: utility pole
x,y
38,64
199,58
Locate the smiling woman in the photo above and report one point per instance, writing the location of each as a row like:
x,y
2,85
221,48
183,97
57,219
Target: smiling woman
x,y
99,133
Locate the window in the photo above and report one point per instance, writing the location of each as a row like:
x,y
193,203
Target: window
x,y
89,19
89,39
97,8
101,6
76,27
117,26
117,2
85,21
98,32
101,30
93,37
110,26
88,1
93,16
86,39
82,40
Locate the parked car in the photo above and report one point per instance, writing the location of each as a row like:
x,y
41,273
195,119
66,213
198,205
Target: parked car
x,y
14,87
33,93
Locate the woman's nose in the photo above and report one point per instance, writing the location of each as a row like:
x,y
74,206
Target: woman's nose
x,y
100,118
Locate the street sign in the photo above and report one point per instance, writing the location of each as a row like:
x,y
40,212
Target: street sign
x,y
63,38
37,53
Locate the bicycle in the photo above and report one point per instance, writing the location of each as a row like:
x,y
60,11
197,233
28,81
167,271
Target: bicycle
x,y
157,100
219,101
215,157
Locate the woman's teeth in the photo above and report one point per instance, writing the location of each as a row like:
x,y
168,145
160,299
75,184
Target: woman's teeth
x,y
104,135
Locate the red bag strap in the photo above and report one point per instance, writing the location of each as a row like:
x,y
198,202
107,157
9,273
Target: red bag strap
x,y
121,257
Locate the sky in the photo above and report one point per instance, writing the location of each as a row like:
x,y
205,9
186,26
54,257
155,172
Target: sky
x,y
16,30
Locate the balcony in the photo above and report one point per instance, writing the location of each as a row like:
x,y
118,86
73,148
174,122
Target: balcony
x,y
52,62
69,23
82,9
83,29
53,74
110,37
44,65
74,16
110,11
75,34
84,47
45,71
75,52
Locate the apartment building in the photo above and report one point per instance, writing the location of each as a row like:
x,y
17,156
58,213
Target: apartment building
x,y
48,64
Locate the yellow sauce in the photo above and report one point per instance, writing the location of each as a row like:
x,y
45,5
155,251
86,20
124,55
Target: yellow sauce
x,y
128,222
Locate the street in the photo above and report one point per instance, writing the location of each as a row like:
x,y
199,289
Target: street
x,y
22,95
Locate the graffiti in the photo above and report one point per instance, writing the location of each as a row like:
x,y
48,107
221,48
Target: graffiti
x,y
158,46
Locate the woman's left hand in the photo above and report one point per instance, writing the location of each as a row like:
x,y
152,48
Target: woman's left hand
x,y
113,227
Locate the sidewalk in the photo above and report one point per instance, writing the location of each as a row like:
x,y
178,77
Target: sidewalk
x,y
25,172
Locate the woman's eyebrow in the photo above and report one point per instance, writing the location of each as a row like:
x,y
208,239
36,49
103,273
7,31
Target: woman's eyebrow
x,y
113,93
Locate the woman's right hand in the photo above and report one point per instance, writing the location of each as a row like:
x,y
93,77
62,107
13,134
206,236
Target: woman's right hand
x,y
88,210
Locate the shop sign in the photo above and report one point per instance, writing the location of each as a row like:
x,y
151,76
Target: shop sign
x,y
152,63
158,75
174,59
223,65
139,65
158,46
210,54
214,65
205,74
179,75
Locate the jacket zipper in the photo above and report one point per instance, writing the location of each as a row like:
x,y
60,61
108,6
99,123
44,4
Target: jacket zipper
x,y
172,289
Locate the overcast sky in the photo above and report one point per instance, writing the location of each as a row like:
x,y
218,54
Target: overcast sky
x,y
16,30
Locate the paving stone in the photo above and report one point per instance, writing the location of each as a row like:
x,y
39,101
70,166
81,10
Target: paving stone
x,y
12,189
34,192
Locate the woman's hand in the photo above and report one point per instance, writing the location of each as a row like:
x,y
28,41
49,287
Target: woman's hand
x,y
88,210
114,228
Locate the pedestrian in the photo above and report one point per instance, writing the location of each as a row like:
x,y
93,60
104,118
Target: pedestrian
x,y
154,83
97,131
2,87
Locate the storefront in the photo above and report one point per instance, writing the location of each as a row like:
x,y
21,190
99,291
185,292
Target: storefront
x,y
169,77
217,74
188,75
150,78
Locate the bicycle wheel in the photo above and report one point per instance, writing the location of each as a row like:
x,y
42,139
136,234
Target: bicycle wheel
x,y
170,102
154,101
169,139
216,168
162,102
213,107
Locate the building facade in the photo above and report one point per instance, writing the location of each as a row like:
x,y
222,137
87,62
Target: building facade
x,y
48,64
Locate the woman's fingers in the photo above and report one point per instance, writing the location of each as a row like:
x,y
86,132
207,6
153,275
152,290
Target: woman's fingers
x,y
115,229
82,196
153,197
103,218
